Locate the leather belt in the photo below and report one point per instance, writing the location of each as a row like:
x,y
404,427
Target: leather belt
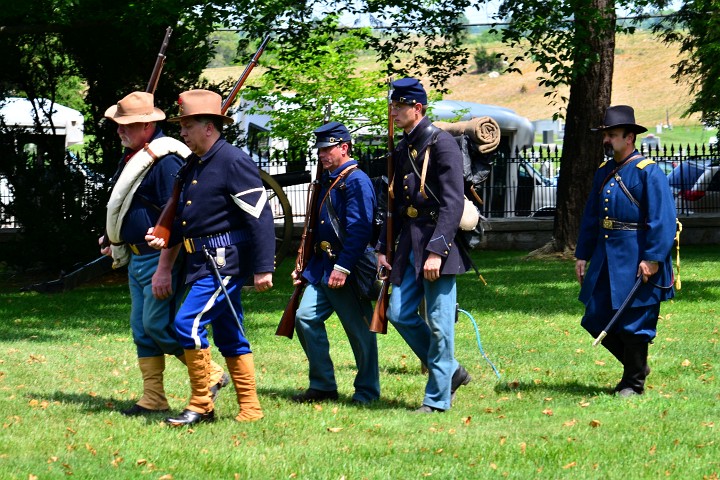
x,y
415,212
219,240
141,248
610,224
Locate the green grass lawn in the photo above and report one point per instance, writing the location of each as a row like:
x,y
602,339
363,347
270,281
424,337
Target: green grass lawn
x,y
67,364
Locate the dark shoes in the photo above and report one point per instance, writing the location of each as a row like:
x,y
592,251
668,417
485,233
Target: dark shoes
x,y
428,409
215,389
460,377
311,395
627,392
188,417
137,410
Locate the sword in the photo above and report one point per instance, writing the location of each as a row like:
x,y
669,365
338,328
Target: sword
x,y
216,272
603,334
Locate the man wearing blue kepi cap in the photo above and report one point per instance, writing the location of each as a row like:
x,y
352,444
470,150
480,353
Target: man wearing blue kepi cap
x,y
627,231
427,215
343,228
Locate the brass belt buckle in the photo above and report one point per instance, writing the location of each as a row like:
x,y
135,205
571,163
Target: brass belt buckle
x,y
607,223
189,245
411,212
134,249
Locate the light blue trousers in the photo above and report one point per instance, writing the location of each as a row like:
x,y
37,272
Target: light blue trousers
x,y
317,304
151,320
433,341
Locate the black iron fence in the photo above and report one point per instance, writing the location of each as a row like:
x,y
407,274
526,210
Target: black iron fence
x,y
523,184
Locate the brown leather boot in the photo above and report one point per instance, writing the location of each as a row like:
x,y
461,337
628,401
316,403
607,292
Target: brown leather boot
x,y
153,399
242,372
200,408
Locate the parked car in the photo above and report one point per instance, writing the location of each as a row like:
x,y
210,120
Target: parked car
x,y
696,185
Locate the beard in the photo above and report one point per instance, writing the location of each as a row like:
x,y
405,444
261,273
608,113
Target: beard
x,y
608,150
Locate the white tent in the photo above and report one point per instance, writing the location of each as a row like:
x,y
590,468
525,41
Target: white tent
x,y
19,112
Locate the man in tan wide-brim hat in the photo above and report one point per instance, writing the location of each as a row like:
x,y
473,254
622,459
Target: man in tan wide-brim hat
x,y
153,277
138,107
226,222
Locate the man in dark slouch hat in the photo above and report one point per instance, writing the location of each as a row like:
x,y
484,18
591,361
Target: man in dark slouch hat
x,y
627,231
427,190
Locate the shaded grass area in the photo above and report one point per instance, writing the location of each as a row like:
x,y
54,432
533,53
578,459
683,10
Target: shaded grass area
x,y
67,363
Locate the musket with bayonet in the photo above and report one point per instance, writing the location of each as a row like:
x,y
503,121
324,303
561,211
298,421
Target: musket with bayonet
x,y
167,216
286,327
379,321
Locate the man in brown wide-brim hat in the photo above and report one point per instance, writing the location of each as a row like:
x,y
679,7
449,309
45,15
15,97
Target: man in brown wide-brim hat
x,y
225,213
153,277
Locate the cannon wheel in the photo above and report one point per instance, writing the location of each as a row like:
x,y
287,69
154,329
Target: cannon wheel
x,y
282,214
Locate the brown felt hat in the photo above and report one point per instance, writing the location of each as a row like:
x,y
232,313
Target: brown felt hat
x,y
137,107
200,102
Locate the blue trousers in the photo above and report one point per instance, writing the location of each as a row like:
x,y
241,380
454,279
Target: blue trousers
x,y
317,304
151,320
433,341
205,304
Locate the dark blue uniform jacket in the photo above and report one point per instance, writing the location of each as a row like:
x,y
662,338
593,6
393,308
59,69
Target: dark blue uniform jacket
x,y
353,199
223,193
622,250
150,197
423,235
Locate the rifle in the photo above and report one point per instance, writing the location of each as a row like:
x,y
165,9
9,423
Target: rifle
x,y
151,86
379,321
167,216
159,63
286,327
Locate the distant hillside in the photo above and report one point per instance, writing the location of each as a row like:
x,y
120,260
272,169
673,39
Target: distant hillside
x,y
642,78
643,70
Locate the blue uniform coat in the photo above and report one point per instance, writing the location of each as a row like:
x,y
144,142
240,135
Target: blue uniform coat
x,y
620,251
353,199
423,235
224,193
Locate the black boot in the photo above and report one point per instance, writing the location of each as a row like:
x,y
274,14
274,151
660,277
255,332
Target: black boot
x,y
614,344
635,369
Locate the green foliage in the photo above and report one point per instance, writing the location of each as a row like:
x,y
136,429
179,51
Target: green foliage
x,y
68,365
695,28
225,45
323,70
486,62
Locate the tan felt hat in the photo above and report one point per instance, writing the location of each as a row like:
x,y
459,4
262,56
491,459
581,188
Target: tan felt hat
x,y
200,102
137,107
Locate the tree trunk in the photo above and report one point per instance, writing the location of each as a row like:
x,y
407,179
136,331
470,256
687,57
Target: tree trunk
x,y
590,94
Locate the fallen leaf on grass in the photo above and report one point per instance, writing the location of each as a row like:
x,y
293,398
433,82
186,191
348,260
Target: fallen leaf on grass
x,y
547,412
599,362
466,420
569,465
652,450
523,447
595,423
335,429
585,404
570,423
685,363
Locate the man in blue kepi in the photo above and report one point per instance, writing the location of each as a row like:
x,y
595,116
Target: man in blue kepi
x,y
627,231
428,208
343,229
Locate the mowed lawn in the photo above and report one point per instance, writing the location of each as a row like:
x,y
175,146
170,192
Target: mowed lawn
x,y
67,364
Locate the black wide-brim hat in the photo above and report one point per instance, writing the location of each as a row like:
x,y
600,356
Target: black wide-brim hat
x,y
620,116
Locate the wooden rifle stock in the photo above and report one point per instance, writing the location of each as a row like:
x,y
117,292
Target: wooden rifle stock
x,y
159,63
379,321
163,226
286,327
